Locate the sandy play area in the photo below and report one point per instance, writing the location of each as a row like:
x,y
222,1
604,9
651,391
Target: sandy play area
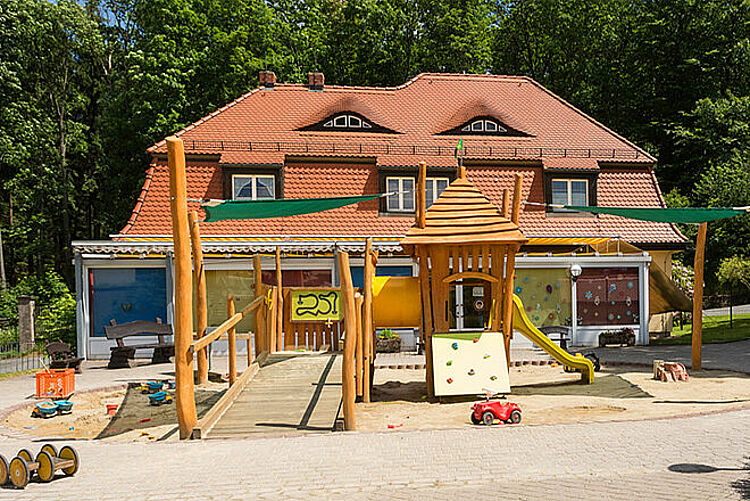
x,y
135,419
547,394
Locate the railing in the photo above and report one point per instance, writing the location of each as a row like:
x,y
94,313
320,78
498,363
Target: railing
x,y
15,359
374,149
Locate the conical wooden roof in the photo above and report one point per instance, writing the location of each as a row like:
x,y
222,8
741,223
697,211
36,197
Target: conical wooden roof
x,y
463,215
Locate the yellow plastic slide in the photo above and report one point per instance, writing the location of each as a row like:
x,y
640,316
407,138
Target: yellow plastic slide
x,y
522,324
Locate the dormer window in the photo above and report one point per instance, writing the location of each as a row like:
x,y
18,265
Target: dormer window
x,y
347,121
484,126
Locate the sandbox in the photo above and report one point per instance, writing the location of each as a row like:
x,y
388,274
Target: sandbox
x,y
548,395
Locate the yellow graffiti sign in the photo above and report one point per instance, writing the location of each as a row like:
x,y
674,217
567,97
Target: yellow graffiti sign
x,y
315,305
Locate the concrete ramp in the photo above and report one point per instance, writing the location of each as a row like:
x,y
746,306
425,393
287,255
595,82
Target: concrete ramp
x,y
291,393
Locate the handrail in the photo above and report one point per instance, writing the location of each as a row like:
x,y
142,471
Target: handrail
x,y
201,343
222,329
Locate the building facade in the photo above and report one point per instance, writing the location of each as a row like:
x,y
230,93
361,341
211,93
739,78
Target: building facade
x,y
314,140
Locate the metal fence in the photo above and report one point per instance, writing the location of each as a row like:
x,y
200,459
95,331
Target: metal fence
x,y
15,359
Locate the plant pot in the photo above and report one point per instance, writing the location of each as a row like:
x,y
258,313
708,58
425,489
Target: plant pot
x,y
388,345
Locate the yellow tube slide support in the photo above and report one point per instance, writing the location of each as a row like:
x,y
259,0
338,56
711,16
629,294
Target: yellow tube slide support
x,y
522,324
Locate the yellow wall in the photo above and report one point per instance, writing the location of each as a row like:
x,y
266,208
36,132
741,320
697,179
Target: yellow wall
x,y
662,322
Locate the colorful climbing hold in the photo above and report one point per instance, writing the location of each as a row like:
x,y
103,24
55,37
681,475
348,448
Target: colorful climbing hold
x,y
476,339
486,356
549,289
471,372
449,363
449,380
454,346
492,378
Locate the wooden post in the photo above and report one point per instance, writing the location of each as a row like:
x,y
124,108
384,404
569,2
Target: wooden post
x,y
272,315
360,345
424,285
517,198
187,418
367,330
201,299
232,339
498,253
279,304
510,268
700,255
260,318
506,203
421,196
348,386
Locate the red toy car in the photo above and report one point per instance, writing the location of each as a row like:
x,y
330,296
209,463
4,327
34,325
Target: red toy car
x,y
486,411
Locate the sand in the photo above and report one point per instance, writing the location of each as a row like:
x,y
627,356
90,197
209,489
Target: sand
x,y
401,401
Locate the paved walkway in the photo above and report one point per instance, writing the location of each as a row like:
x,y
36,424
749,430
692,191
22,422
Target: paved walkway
x,y
620,461
734,356
299,393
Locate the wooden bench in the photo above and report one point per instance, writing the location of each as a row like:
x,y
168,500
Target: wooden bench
x,y
61,357
123,356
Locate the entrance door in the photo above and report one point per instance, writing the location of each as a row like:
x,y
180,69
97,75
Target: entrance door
x,y
471,300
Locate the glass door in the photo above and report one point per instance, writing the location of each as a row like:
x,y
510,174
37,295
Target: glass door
x,y
471,300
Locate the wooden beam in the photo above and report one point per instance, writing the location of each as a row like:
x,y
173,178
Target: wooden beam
x,y
510,267
201,295
424,286
469,274
222,329
517,198
367,330
700,255
506,203
360,353
421,195
348,386
498,255
259,317
183,285
271,316
279,303
232,342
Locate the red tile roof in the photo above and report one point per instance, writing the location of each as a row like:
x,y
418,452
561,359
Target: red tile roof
x,y
260,128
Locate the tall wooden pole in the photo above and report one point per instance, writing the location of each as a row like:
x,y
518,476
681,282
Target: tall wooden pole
x,y
506,203
369,273
260,318
279,304
360,353
517,198
232,340
348,386
700,255
421,196
201,297
510,268
183,284
424,286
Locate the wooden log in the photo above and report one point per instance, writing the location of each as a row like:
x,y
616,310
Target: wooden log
x,y
183,284
421,196
517,198
279,303
232,342
424,286
697,340
486,259
348,385
498,255
506,203
440,291
360,352
367,330
201,295
510,267
290,338
272,316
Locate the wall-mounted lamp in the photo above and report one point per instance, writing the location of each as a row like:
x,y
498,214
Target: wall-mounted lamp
x,y
575,271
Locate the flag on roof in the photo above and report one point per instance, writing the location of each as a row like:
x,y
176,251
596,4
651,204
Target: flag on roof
x,y
459,148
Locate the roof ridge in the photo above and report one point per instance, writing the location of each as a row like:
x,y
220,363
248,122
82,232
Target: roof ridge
x,y
589,118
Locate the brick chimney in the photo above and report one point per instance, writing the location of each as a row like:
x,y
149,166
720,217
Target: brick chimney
x,y
315,80
267,79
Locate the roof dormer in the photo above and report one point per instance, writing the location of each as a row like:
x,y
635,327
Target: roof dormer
x,y
347,121
484,125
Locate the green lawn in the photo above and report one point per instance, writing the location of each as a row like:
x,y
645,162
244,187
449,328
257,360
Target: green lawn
x,y
715,330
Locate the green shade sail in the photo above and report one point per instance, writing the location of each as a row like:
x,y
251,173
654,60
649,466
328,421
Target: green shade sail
x,y
665,215
220,210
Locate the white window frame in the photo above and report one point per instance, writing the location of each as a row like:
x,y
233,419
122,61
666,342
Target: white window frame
x,y
254,178
349,122
400,194
569,183
431,186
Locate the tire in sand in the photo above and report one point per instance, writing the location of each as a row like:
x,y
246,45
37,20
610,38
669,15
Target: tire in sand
x,y
3,470
51,449
68,452
19,472
46,469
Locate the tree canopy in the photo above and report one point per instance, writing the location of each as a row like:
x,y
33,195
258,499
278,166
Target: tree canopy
x,y
86,87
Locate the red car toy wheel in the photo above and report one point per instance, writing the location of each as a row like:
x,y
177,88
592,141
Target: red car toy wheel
x,y
515,417
475,419
488,418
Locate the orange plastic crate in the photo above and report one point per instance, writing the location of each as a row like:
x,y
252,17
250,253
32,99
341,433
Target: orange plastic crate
x,y
55,383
